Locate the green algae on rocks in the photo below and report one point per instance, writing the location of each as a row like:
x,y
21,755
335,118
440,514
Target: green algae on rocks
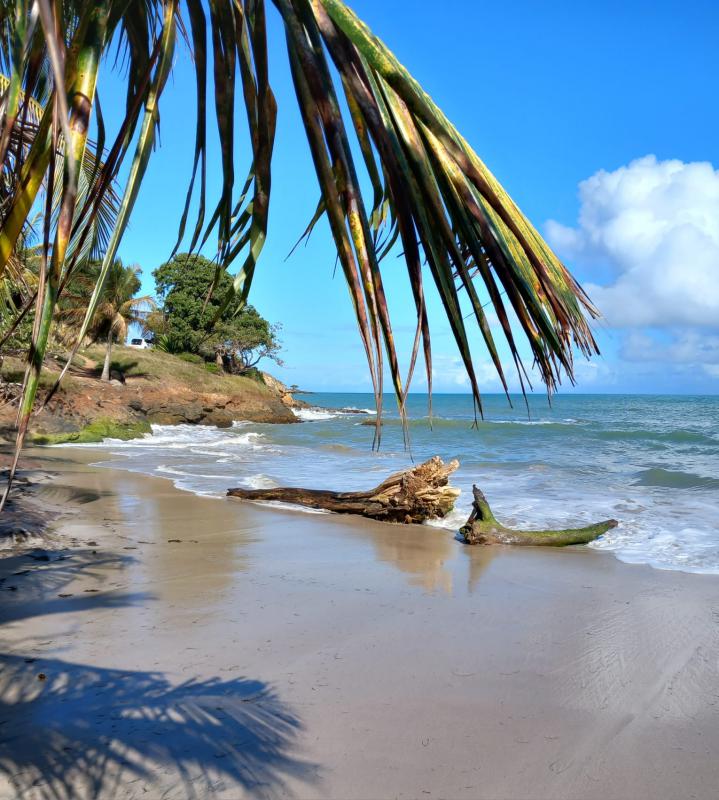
x,y
482,527
95,432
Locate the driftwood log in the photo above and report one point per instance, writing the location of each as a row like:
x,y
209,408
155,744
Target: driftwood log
x,y
413,495
482,527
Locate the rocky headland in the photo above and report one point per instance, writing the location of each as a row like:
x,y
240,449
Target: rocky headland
x,y
147,387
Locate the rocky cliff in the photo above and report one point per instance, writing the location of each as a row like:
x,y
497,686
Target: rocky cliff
x,y
147,387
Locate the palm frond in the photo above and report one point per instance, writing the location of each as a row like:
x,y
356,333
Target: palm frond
x,y
366,121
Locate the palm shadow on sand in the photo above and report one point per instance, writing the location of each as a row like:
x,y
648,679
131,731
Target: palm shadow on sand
x,y
35,583
88,732
72,730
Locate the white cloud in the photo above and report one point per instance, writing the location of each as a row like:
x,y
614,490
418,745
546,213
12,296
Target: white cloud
x,y
448,371
691,349
449,374
655,225
593,373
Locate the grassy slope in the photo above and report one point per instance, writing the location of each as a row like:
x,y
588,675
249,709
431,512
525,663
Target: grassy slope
x,y
149,364
164,366
159,370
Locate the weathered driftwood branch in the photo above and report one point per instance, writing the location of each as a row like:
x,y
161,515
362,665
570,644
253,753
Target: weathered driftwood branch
x,y
483,528
413,495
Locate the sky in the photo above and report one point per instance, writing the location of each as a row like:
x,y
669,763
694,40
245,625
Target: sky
x,y
600,119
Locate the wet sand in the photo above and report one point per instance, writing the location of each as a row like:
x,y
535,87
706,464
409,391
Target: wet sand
x,y
167,645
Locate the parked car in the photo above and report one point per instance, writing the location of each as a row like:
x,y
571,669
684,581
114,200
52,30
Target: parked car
x,y
140,344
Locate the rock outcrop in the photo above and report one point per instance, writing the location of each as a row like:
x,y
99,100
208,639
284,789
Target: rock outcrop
x,y
152,398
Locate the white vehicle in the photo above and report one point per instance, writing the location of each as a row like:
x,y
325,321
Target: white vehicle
x,y
140,344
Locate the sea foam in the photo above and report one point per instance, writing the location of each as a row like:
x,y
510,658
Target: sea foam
x,y
651,463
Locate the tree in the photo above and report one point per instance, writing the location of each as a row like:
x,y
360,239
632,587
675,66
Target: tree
x,y
117,310
20,276
432,196
16,290
240,343
182,285
194,321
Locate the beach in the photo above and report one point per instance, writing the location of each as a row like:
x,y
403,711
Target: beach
x,y
164,644
652,463
359,415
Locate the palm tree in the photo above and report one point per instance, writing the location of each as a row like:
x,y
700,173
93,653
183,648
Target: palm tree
x,y
117,310
433,199
25,265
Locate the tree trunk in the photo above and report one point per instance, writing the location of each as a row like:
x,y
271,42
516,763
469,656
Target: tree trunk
x,y
413,495
106,366
483,528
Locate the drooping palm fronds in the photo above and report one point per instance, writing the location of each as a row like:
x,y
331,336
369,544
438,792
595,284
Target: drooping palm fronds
x,y
431,194
18,285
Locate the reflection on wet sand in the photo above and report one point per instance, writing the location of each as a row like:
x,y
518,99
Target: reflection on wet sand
x,y
197,559
209,547
418,552
431,557
479,558
184,551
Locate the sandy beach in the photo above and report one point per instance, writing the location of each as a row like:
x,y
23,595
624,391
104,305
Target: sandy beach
x,y
167,645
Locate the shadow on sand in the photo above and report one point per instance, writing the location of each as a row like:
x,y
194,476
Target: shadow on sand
x,y
72,730
34,583
81,731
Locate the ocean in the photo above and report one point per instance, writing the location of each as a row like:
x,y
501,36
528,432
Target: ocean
x,y
652,462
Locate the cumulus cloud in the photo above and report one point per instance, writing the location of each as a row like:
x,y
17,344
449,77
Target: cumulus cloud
x,y
655,226
691,349
449,373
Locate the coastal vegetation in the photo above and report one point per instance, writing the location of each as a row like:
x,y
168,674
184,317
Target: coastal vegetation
x,y
146,387
364,118
193,320
181,323
119,307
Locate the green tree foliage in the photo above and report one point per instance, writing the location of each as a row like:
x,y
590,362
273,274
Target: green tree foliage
x,y
117,310
17,288
182,285
185,323
241,342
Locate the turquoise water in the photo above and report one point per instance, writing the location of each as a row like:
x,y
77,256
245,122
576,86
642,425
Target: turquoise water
x,y
651,462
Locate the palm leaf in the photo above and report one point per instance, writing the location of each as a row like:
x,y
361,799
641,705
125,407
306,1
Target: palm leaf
x,y
365,119
90,39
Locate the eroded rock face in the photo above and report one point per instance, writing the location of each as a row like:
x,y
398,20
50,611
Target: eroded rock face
x,y
283,392
80,401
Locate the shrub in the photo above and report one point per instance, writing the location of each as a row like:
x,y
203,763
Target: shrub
x,y
193,358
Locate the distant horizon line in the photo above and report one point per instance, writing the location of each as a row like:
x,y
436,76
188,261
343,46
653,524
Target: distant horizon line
x,y
515,393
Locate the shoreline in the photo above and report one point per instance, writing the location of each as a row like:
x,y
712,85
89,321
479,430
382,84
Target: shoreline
x,y
202,645
115,459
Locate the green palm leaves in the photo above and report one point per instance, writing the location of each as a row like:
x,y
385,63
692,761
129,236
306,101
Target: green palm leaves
x,y
446,207
367,123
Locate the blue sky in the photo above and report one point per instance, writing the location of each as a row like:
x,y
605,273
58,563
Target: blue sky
x,y
601,121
